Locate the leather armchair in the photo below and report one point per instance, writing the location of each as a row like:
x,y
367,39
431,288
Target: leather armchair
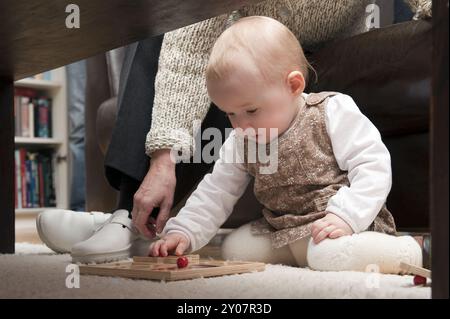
x,y
387,71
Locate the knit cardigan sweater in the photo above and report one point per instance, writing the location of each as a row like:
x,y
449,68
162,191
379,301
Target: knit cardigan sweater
x,y
181,99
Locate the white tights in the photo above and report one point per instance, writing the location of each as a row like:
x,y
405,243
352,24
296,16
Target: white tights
x,y
366,251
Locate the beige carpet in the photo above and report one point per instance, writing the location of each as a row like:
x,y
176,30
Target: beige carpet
x,y
36,272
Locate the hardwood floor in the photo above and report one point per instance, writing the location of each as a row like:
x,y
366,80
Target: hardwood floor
x,y
26,231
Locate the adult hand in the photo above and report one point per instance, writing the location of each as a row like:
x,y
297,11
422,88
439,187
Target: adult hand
x,y
156,190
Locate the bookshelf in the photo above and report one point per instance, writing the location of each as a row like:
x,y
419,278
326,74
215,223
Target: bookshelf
x,y
54,88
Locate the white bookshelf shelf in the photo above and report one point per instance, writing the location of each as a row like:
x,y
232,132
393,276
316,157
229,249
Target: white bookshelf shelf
x,y
37,140
38,84
56,91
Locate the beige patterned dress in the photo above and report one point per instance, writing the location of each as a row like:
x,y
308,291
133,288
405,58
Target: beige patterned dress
x,y
307,176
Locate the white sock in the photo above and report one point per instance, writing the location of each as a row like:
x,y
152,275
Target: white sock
x,y
366,251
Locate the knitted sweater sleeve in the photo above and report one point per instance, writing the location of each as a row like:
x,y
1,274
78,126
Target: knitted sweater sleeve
x,y
421,8
181,97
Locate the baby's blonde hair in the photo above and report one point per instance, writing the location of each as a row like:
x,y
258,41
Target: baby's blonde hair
x,y
268,44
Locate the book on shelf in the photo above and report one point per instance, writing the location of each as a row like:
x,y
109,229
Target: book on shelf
x,y
34,182
32,114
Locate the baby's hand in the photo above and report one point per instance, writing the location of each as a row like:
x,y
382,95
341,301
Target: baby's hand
x,y
330,226
170,242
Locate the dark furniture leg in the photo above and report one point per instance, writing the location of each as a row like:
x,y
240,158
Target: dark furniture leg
x,y
7,231
439,151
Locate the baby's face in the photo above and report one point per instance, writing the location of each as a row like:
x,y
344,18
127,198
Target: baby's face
x,y
255,106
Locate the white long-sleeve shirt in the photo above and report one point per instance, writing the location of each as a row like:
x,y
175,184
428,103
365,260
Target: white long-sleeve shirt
x,y
357,147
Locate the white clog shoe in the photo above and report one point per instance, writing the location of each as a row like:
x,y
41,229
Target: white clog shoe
x,y
60,229
116,239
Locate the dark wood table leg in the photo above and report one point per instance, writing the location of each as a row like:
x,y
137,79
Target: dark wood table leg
x,y
439,151
7,216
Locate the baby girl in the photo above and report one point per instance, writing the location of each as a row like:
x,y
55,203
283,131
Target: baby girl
x,y
325,204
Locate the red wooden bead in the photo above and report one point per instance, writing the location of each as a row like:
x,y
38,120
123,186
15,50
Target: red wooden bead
x,y
419,280
182,262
